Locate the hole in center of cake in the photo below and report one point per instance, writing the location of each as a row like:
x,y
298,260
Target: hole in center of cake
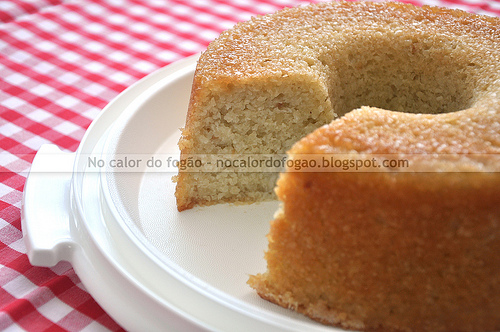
x,y
419,75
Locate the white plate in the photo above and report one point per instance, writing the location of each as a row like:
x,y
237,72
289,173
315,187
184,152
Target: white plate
x,y
149,266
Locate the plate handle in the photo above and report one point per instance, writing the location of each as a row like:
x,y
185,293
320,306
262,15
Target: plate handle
x,y
45,214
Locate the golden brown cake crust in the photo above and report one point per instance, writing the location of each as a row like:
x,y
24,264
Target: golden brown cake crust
x,y
398,262
390,251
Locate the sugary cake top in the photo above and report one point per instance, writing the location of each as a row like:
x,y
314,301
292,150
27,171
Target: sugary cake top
x,y
296,39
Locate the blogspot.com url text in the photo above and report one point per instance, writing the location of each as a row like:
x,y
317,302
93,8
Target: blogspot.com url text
x,y
209,163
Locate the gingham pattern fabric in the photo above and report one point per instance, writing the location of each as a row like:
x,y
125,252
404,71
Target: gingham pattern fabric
x,y
61,62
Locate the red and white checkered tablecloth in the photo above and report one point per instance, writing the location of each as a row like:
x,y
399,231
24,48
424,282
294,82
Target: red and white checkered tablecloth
x,y
61,62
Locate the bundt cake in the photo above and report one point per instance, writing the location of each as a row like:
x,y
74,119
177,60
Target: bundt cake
x,y
266,83
410,246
